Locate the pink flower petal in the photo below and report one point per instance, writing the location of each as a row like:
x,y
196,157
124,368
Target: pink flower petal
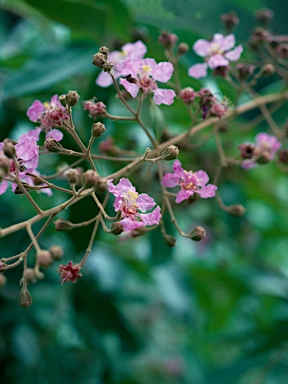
x,y
198,70
104,79
163,72
3,187
201,47
164,96
228,42
235,54
55,134
170,180
207,191
217,61
130,87
35,110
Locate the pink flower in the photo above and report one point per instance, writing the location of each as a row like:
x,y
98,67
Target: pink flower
x,y
217,53
50,114
95,108
135,50
189,182
143,74
27,159
69,272
260,153
133,207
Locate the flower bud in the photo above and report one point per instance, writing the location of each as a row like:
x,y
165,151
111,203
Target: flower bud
x,y
63,225
247,150
107,66
170,153
198,233
73,176
72,98
9,149
90,178
4,166
170,240
187,95
101,186
245,70
3,266
182,48
56,252
3,280
236,210
62,99
104,50
29,275
230,20
283,156
99,60
25,299
98,129
117,228
44,258
53,145
264,16
267,70
168,40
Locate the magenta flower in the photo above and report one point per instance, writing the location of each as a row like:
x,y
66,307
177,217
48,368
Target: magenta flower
x,y
260,153
143,74
189,182
95,108
50,114
135,50
27,159
216,53
136,210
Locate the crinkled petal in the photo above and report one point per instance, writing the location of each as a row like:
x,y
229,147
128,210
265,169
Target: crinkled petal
x,y
228,42
3,187
177,168
208,191
149,62
183,195
129,67
35,110
164,96
202,177
163,71
121,188
170,180
135,50
198,70
217,61
235,54
104,79
55,134
201,47
145,202
151,218
34,133
130,87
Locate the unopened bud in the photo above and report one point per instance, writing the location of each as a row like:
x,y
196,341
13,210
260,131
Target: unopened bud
x,y
168,40
236,210
3,280
3,266
101,186
267,70
245,70
198,233
25,299
29,275
107,66
264,16
187,95
73,176
170,240
62,99
117,228
63,225
283,156
99,60
98,129
44,258
230,20
90,178
72,98
182,48
170,153
4,166
104,50
9,149
53,145
56,252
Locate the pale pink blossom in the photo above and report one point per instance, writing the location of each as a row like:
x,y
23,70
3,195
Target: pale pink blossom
x,y
217,53
135,50
190,183
136,210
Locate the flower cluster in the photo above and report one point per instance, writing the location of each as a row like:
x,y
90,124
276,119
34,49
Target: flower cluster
x,y
136,210
261,152
190,183
50,114
217,53
95,108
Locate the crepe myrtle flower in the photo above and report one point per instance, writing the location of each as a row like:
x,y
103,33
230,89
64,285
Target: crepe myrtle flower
x,y
49,114
190,183
216,53
69,272
27,160
135,50
136,210
261,152
143,74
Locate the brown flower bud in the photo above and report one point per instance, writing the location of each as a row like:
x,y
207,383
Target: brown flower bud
x,y
4,166
62,99
9,149
98,129
264,16
104,50
63,225
168,40
267,70
29,275
90,178
56,252
25,299
230,20
170,153
53,145
283,156
236,210
182,48
73,176
117,228
3,280
72,98
101,186
99,59
198,233
44,258
170,240
107,66
245,70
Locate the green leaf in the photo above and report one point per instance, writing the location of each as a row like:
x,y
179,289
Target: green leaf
x,y
156,119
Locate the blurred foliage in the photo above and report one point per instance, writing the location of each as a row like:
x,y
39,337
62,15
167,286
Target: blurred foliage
x,y
208,312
